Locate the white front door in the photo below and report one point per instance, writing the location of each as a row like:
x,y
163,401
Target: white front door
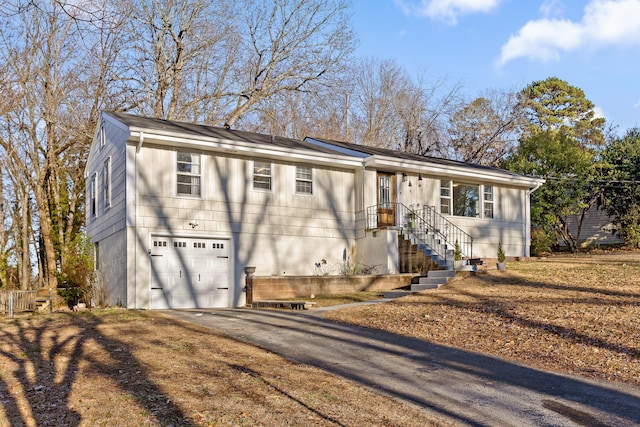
x,y
189,273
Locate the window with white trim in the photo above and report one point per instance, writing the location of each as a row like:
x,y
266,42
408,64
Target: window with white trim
x,y
189,174
463,199
488,201
106,183
445,197
261,175
93,195
304,180
102,136
466,199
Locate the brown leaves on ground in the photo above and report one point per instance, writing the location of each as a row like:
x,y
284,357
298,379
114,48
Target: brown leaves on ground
x,y
571,314
124,368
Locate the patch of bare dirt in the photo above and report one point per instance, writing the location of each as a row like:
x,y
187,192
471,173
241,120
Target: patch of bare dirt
x,y
131,368
572,314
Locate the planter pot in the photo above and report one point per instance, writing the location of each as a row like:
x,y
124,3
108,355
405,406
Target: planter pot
x,y
501,266
457,264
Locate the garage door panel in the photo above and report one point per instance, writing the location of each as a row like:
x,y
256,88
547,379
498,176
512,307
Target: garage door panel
x,y
189,273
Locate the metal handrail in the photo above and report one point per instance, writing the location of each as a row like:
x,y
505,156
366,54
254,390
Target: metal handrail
x,y
450,232
427,226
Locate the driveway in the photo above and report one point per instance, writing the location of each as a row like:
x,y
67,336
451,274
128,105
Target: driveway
x,y
459,386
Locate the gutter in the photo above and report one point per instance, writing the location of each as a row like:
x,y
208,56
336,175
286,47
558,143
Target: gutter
x,y
249,149
527,224
135,225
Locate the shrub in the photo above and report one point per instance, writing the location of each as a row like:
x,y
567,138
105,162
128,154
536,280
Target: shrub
x,y
77,275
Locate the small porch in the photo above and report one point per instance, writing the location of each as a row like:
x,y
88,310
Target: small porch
x,y
426,238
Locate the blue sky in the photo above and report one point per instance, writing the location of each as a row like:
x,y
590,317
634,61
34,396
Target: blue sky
x,y
507,44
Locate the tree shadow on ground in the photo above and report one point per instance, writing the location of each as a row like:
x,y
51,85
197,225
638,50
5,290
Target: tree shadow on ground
x,y
503,308
47,362
410,369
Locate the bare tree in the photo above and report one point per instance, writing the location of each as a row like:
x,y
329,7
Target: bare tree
x,y
55,97
290,44
179,55
395,110
487,128
320,111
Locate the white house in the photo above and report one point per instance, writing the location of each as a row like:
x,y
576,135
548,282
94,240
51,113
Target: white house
x,y
177,211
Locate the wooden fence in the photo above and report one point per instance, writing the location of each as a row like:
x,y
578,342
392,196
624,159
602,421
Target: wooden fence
x,y
17,301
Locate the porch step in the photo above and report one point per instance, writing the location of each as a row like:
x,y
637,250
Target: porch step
x,y
417,287
434,279
396,294
441,273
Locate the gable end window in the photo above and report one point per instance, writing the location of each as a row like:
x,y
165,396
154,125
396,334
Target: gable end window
x,y
93,194
189,174
261,175
106,183
102,136
304,180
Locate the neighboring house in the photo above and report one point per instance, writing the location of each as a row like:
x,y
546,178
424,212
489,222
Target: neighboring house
x,y
598,229
176,211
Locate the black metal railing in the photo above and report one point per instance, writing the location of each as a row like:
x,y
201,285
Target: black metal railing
x,y
450,232
425,225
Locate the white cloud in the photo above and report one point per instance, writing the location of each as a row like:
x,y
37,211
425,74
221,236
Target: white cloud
x,y
598,113
551,8
447,10
604,23
637,105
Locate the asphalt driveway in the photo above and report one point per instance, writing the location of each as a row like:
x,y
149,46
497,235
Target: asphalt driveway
x,y
460,386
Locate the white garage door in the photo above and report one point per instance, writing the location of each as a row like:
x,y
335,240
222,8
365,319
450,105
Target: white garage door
x,y
189,273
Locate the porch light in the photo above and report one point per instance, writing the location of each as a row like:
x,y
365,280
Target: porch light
x,y
404,177
419,180
409,183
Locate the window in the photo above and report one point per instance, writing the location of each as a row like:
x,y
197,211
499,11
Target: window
x,y
384,191
463,199
488,201
93,190
189,174
102,136
262,175
96,256
445,197
304,183
106,183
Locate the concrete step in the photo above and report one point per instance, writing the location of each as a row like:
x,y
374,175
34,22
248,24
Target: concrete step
x,y
420,287
433,280
396,294
441,273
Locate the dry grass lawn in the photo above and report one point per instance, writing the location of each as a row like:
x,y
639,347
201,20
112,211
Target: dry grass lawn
x,y
572,314
578,315
132,368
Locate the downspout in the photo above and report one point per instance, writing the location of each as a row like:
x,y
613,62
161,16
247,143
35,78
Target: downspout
x,y
135,226
527,225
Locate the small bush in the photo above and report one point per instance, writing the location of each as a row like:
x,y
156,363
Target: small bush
x,y
541,242
77,276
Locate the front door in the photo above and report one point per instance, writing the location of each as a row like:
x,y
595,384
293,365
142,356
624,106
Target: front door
x,y
386,199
